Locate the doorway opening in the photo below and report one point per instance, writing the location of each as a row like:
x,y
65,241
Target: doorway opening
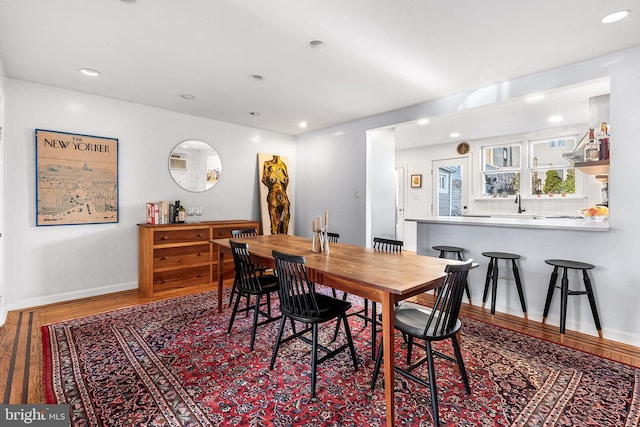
x,y
450,187
449,191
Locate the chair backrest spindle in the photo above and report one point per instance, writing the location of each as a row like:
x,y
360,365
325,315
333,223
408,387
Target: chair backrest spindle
x,y
387,245
445,311
297,297
245,268
333,237
241,234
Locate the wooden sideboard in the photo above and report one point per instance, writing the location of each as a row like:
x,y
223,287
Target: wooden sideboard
x,y
180,255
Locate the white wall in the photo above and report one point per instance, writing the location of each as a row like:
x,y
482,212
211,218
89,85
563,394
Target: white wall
x,y
345,156
2,181
381,185
332,166
418,200
53,263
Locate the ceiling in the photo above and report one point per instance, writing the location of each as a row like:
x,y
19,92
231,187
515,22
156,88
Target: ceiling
x,y
377,56
525,115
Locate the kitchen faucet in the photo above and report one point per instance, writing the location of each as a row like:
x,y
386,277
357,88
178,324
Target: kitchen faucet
x,y
519,202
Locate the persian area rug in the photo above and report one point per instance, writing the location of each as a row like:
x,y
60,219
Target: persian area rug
x,y
172,363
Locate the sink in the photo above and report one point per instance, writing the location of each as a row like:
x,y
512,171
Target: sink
x,y
513,215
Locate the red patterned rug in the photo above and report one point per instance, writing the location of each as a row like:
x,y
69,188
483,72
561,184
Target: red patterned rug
x,y
171,363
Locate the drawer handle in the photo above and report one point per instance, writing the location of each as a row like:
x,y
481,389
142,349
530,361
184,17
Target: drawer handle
x,y
200,235
164,238
164,258
200,254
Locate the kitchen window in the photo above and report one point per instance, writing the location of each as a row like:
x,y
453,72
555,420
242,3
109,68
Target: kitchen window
x,y
501,169
550,171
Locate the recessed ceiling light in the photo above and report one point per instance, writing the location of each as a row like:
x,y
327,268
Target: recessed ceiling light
x,y
423,122
534,97
554,119
187,96
129,1
339,133
454,134
303,125
616,16
316,44
90,72
256,77
254,113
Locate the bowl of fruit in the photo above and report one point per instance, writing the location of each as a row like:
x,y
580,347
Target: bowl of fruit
x,y
595,213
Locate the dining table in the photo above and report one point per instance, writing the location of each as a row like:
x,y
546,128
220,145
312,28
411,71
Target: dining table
x,y
386,278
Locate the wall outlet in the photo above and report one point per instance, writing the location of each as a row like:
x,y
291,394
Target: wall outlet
x,y
545,206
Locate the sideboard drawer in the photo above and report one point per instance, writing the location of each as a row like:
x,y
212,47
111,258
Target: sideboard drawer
x,y
181,256
181,277
162,237
223,232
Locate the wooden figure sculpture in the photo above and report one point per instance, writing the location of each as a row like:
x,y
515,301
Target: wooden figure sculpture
x,y
276,178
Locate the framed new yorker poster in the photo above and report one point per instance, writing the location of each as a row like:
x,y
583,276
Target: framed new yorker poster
x,y
76,178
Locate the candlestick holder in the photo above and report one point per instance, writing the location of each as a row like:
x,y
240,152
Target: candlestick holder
x,y
319,241
319,238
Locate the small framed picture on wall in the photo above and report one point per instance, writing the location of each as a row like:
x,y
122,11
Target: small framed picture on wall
x,y
416,181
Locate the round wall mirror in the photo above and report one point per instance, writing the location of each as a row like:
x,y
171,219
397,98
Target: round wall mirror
x,y
195,165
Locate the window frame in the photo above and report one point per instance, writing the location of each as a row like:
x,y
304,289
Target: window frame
x,y
491,145
526,141
547,167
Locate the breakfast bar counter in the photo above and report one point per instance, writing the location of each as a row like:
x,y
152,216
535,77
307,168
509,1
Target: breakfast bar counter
x,y
525,221
535,240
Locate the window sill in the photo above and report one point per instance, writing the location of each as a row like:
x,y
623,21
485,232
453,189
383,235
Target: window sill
x,y
542,196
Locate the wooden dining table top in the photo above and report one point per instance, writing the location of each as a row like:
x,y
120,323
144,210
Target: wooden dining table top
x,y
357,267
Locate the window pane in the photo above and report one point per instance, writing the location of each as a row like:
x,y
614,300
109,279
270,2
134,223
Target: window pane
x,y
501,157
501,184
548,152
553,181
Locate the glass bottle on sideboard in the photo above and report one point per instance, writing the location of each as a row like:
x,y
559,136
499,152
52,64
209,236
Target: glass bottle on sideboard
x,y
182,214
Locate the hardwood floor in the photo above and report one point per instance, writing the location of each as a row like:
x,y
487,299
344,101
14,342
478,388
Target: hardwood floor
x,y
21,342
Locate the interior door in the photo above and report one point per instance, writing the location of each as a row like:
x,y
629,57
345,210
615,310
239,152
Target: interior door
x,y
400,174
451,186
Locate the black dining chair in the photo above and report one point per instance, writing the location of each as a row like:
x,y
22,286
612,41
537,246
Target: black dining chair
x,y
248,285
333,237
244,234
429,324
300,302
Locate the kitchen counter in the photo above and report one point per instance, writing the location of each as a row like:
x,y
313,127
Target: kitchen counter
x,y
539,222
535,239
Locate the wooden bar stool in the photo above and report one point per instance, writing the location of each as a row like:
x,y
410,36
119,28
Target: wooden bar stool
x,y
492,277
565,291
444,250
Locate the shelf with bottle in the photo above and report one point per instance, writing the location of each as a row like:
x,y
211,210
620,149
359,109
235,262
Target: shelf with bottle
x,y
596,153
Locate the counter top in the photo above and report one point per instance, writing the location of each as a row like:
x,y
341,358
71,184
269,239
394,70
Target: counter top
x,y
538,222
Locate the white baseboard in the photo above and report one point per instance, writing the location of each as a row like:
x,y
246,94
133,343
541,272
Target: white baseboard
x,y
586,327
67,296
